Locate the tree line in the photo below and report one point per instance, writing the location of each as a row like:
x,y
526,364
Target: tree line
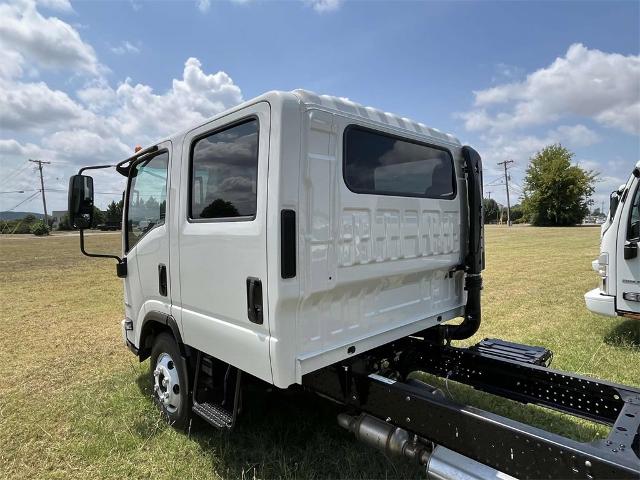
x,y
31,224
555,192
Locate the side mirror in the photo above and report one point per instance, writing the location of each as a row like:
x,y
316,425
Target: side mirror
x,y
614,200
80,201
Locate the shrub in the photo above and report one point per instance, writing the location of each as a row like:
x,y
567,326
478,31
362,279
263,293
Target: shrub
x,y
40,228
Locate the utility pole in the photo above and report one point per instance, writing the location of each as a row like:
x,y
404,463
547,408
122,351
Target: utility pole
x,y
44,201
489,193
506,182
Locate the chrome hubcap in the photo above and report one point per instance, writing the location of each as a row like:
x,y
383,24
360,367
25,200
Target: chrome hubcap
x,y
166,384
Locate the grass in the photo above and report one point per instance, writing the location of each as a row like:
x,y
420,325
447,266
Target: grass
x,y
75,403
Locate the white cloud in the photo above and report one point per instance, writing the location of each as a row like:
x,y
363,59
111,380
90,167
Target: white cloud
x,y
99,123
79,144
521,147
144,114
11,64
63,6
585,82
34,106
575,135
125,47
203,5
125,116
324,6
48,41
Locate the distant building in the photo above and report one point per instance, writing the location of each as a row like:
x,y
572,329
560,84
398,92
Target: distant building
x,y
56,217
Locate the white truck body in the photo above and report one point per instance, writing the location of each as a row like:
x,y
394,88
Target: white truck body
x,y
304,239
617,265
369,268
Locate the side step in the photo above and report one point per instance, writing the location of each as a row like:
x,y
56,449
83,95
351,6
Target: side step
x,y
216,416
501,349
216,392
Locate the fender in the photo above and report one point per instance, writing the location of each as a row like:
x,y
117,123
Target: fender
x,y
155,318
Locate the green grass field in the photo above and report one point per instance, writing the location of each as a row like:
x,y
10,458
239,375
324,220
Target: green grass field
x,y
75,403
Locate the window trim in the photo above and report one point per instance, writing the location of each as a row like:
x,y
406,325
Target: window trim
x,y
355,126
196,139
125,207
630,214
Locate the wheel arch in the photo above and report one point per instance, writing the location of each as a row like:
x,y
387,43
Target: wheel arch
x,y
153,324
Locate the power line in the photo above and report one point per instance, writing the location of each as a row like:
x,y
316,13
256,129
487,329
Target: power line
x,y
23,201
44,201
13,174
506,182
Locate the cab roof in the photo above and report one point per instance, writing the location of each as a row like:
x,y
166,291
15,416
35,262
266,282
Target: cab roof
x,y
336,104
345,105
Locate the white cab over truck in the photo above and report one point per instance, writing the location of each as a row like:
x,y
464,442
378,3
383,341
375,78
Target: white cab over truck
x,y
306,241
619,263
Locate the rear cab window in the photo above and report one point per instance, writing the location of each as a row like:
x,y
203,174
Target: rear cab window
x,y
383,164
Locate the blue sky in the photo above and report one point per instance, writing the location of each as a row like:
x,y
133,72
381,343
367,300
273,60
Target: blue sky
x,y
83,82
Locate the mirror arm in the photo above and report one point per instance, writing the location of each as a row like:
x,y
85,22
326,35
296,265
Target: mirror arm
x,y
121,268
94,167
123,169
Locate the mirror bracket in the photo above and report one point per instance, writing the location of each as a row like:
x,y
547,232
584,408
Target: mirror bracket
x,y
121,267
630,250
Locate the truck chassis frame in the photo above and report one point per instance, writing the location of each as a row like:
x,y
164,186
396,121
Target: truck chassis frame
x,y
371,383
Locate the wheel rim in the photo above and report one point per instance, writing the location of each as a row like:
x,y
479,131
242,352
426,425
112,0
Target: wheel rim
x,y
166,383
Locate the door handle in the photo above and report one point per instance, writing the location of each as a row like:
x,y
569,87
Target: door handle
x,y
162,280
254,300
630,250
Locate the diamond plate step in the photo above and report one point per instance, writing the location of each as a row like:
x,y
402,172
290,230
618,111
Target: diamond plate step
x,y
216,416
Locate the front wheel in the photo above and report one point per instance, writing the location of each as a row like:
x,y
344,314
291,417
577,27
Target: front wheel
x,y
169,380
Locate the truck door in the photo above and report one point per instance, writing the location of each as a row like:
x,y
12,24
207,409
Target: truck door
x,y
146,238
222,239
628,269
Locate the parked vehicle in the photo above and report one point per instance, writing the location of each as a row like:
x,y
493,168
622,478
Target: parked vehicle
x,y
619,264
110,226
307,240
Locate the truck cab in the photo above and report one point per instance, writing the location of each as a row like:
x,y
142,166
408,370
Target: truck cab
x,y
618,264
296,230
302,240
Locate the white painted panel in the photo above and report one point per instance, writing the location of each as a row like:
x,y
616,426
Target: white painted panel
x,y
394,262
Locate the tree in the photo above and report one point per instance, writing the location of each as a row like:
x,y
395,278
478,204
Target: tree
x,y
63,224
555,192
98,217
491,210
219,208
114,212
517,215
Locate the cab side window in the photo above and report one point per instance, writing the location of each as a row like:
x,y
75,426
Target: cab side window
x,y
147,197
633,229
224,173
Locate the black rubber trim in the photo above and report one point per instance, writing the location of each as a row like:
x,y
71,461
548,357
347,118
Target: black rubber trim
x,y
287,243
162,319
132,347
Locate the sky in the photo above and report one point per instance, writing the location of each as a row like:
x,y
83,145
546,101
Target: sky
x,y
82,83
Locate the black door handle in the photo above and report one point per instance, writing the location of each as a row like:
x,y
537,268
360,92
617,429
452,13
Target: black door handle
x,y
630,250
162,280
254,300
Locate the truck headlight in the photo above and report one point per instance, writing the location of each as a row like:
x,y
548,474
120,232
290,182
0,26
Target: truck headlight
x,y
601,266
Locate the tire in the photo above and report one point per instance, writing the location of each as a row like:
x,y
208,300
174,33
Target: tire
x,y
169,380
